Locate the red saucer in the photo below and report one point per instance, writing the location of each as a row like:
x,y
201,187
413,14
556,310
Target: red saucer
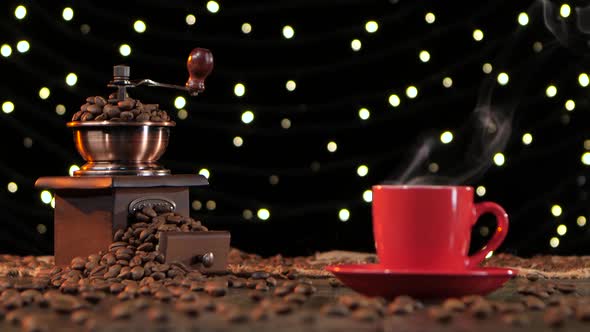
x,y
376,280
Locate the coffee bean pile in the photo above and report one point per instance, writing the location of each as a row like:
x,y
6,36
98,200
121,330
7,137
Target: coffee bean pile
x,y
100,109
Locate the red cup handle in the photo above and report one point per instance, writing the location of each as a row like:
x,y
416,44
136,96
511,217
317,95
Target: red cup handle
x,y
499,235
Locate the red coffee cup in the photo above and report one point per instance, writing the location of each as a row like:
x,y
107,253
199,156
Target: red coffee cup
x,y
429,227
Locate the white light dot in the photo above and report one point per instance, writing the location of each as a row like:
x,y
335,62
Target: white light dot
x,y
7,107
179,102
210,205
246,28
12,187
480,191
583,79
343,215
239,89
6,50
263,214
238,141
362,170
73,169
213,6
247,117
523,19
570,105
286,123
46,197
394,100
429,18
446,137
139,26
23,46
556,210
364,113
71,79
554,242
290,85
565,10
586,158
332,146
424,56
125,50
190,19
503,78
196,205
412,92
182,114
527,139
551,91
371,26
487,68
356,45
477,35
68,14
537,47
447,82
581,221
561,229
288,32
20,12
44,93
247,214
204,172
489,255
60,109
499,159
368,196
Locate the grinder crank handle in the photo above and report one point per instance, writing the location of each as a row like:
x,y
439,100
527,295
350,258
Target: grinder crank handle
x,y
199,66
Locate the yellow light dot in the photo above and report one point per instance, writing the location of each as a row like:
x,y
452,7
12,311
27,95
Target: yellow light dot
x,y
503,78
182,114
537,47
28,142
332,146
286,123
447,82
12,187
561,229
356,45
499,159
263,214
554,242
7,107
424,56
190,19
587,144
273,179
290,85
551,91
480,191
68,14
412,92
364,113
583,79
6,50
433,167
581,221
288,32
238,141
527,139
73,169
246,28
429,18
20,12
247,214
344,215
523,19
139,26
371,26
125,50
446,137
204,172
477,35
368,196
213,6
60,109
362,170
570,105
556,210
210,205
23,46
394,100
239,89
179,102
565,10
586,158
42,229
487,68
489,254
46,197
196,205
52,203
44,93
247,117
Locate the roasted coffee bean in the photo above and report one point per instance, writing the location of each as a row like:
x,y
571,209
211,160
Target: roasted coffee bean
x,y
13,302
292,275
147,247
481,309
34,323
126,116
125,273
31,296
163,295
142,117
117,245
470,299
555,316
90,100
92,297
271,282
77,116
64,304
453,304
237,283
189,308
509,307
566,288
158,314
295,298
126,104
335,310
259,314
215,288
533,276
516,319
125,296
304,289
156,118
235,315
401,305
118,236
150,212
583,312
116,288
86,116
262,287
440,314
282,291
80,317
534,303
150,107
137,272
351,301
78,263
122,310
365,315
94,109
259,275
